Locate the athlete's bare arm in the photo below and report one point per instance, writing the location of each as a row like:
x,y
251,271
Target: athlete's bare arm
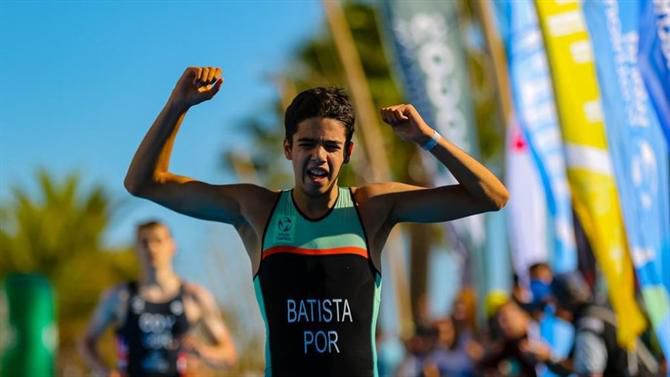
x,y
221,350
105,315
478,190
149,177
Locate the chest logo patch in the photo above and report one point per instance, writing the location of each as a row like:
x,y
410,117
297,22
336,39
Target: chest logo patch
x,y
286,228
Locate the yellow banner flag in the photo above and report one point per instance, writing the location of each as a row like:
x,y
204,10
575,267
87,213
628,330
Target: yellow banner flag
x,y
590,171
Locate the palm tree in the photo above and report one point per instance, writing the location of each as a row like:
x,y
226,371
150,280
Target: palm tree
x,y
58,233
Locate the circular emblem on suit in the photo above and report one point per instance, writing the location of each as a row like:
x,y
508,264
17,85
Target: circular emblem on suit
x,y
284,224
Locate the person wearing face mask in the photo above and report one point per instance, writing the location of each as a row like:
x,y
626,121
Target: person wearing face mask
x,y
154,318
596,351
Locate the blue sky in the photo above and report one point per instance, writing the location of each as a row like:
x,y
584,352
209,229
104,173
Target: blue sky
x,y
83,81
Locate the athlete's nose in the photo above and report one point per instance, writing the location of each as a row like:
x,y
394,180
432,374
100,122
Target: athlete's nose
x,y
319,153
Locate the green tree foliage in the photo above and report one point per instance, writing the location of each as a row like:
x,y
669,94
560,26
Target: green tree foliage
x,y
58,232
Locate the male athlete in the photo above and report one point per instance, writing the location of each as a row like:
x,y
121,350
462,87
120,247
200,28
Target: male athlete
x,y
315,249
154,316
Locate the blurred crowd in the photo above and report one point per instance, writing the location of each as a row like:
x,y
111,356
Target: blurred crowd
x,y
556,326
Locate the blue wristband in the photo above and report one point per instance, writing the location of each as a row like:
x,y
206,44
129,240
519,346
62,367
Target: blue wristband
x,y
432,142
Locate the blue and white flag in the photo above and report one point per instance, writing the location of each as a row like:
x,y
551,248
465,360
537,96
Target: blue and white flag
x,y
654,57
527,208
638,149
534,106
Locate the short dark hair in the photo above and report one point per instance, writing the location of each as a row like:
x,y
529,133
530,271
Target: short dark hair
x,y
570,290
535,267
150,224
320,102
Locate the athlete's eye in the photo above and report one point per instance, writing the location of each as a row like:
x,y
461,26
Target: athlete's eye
x,y
332,147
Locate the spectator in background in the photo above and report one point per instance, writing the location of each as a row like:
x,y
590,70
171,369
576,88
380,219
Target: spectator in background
x,y
596,351
463,311
418,348
454,350
492,304
541,276
520,294
505,355
556,333
541,271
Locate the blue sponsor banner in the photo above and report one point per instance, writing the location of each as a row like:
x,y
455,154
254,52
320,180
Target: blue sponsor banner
x,y
654,63
637,147
431,60
533,99
534,105
654,56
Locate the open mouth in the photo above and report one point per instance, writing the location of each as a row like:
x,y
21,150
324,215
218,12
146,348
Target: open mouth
x,y
317,175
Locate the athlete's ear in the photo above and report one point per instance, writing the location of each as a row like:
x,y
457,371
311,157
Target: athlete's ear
x,y
348,149
287,149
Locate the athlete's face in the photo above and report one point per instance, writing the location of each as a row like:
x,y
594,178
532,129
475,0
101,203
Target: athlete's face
x,y
155,247
317,153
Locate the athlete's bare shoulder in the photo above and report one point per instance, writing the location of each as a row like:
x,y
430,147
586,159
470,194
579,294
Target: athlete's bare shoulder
x,y
376,203
194,291
199,301
117,294
110,309
198,294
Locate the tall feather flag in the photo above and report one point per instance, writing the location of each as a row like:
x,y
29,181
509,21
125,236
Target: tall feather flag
x,y
527,208
430,59
589,166
539,134
534,105
638,149
526,211
654,57
654,63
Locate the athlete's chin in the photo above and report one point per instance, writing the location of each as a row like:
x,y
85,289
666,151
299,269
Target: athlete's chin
x,y
316,191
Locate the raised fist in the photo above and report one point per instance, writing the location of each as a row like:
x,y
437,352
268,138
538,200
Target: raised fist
x,y
406,122
196,84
